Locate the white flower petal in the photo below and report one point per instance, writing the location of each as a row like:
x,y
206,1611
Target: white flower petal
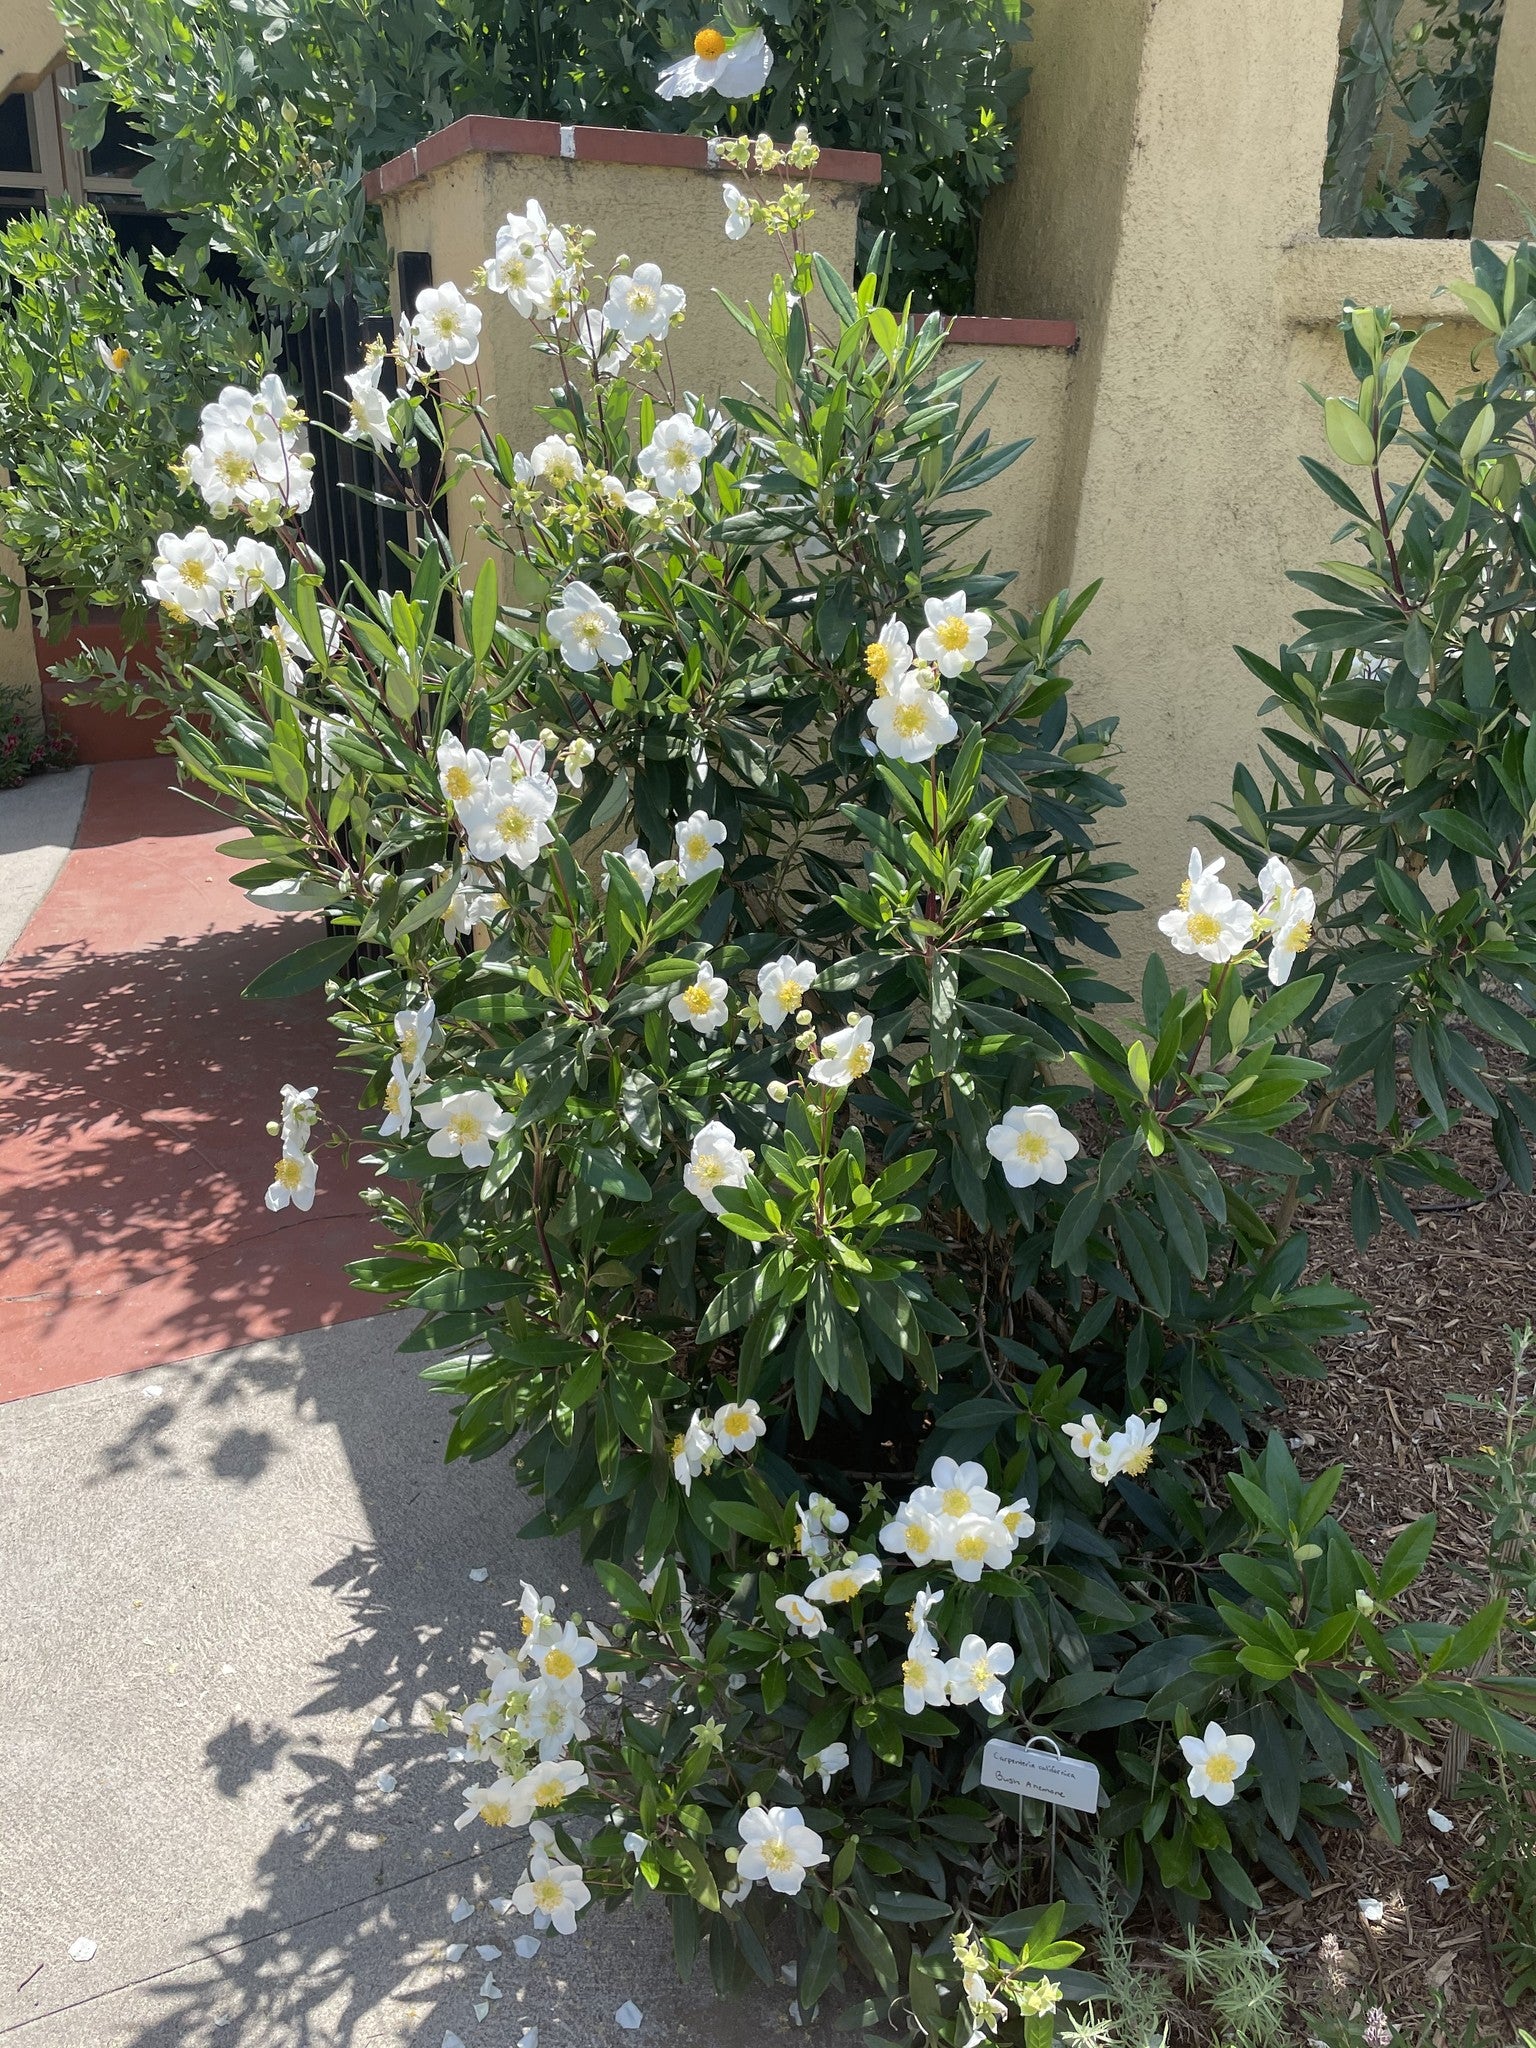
x,y
629,2015
380,1724
1440,1882
461,1909
1440,1821
487,1951
527,1945
385,1781
1371,1910
455,1952
528,2038
82,1950
479,1574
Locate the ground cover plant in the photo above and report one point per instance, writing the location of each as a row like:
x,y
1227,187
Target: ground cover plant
x,y
716,923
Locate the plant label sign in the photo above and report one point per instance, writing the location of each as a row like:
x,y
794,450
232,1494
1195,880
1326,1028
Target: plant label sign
x,y
1040,1774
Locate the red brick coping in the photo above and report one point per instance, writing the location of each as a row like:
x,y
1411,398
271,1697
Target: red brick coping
x,y
498,135
986,330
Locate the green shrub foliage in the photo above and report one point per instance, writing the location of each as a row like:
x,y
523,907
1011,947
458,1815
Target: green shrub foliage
x,y
718,931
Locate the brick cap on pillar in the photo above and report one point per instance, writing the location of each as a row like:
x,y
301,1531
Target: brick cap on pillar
x,y
501,135
989,330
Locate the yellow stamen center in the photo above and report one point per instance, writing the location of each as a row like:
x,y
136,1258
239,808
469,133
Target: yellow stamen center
x,y
981,1675
737,1423
1220,1769
1031,1146
1297,939
952,633
1204,929
642,299
559,1664
957,1501
910,721
789,994
708,1171
918,1539
496,1813
289,1173
195,573
1138,1461
550,1793
392,1096
698,999
972,1548
844,1587
914,1672
696,846
588,629
861,1059
119,358
709,44
877,660
233,468
514,825
1184,888
778,1855
463,1128
548,1896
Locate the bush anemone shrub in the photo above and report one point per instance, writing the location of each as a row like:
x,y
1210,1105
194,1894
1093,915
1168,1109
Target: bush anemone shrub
x,y
715,919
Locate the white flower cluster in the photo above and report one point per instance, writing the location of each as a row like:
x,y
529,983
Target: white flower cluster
x,y
1212,924
956,1519
253,459
735,1427
413,1034
1127,1449
531,264
910,717
930,1679
504,804
293,1177
198,577
535,1702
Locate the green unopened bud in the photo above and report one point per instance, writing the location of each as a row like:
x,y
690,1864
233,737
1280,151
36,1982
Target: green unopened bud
x,y
778,1091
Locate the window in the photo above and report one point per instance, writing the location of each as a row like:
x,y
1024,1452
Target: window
x,y
38,162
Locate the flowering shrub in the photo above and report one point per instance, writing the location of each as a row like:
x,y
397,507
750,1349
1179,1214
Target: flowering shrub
x,y
708,920
1402,776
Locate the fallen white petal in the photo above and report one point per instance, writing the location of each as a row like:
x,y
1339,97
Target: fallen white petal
x,y
479,1573
488,1988
499,1905
1441,1821
1371,1910
1440,1881
152,1387
385,1781
790,1972
481,2008
527,1945
461,1909
82,1950
452,2040
487,1951
528,2038
1400,1791
455,1951
629,2015
380,1725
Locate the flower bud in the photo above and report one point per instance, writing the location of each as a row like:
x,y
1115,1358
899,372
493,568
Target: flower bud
x,y
273,1129
803,1017
778,1091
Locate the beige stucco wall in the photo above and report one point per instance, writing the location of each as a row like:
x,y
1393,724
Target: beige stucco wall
x,y
18,654
1167,199
1506,182
31,44
1028,402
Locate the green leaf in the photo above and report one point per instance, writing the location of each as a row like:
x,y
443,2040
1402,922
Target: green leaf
x,y
305,969
1348,435
482,610
601,1169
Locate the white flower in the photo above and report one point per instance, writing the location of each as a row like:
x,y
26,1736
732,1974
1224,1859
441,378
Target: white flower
x,y
736,67
618,492
495,1804
801,1614
576,760
562,1655
446,328
911,721
955,1489
826,1763
463,774
537,1621
1128,1450
845,1581
293,1180
603,346
953,639
888,657
635,1844
586,629
924,1674
1017,1520
255,570
781,987
846,1056
114,359
1083,1435
299,1115
672,456
552,1893
530,259
543,1789
556,462
979,1543
715,1162
253,457
413,1034
1289,911
699,839
816,1525
914,1531
641,306
738,1426
367,407
510,820
1216,1762
397,1101
692,1450
466,1126
191,575
1210,922
637,861
738,212
977,1673
778,1848
703,1002
551,1716
1032,1144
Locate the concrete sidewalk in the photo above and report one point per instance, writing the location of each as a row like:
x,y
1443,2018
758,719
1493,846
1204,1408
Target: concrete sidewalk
x,y
218,1575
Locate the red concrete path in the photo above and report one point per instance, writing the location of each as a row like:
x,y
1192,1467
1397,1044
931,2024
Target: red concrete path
x,y
135,1090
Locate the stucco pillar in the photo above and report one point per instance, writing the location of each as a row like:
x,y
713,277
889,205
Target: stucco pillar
x,y
1172,150
1511,121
